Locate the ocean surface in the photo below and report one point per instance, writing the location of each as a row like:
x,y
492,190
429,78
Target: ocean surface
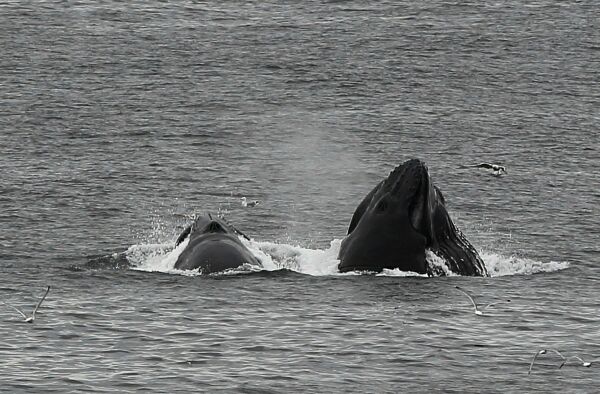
x,y
119,121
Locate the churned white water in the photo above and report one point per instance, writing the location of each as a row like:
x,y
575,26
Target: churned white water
x,y
275,256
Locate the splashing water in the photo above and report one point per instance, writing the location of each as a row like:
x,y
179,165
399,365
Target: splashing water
x,y
498,265
320,262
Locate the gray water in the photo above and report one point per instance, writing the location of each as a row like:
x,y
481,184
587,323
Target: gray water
x,y
119,121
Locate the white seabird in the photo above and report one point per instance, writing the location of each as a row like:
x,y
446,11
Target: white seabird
x,y
583,363
544,351
246,203
31,318
478,311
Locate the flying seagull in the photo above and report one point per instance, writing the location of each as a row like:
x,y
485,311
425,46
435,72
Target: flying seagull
x,y
544,351
497,169
31,318
584,363
246,203
478,311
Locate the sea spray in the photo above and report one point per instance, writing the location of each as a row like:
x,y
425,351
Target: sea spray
x,y
321,262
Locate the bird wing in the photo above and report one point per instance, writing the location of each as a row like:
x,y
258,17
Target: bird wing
x,y
533,361
559,354
562,364
468,295
494,303
16,309
42,300
484,165
566,360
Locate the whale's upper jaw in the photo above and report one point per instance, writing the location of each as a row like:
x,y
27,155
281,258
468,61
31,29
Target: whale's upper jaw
x,y
408,192
205,224
407,182
214,227
209,225
407,177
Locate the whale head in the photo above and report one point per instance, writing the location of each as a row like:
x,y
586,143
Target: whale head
x,y
401,218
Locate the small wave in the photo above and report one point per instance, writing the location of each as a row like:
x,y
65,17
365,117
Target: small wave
x,y
319,262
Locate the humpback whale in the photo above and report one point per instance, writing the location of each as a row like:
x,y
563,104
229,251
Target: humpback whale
x,y
213,246
401,218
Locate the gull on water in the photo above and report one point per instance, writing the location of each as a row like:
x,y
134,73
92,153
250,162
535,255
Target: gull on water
x,y
31,318
496,168
478,311
246,203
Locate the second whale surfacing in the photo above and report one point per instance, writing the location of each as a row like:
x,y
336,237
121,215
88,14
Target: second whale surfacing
x,y
214,246
401,218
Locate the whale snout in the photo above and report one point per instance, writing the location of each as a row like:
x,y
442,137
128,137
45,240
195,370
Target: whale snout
x,y
408,189
214,227
407,179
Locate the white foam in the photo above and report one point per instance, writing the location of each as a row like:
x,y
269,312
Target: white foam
x,y
498,265
320,262
438,262
157,258
296,258
397,272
